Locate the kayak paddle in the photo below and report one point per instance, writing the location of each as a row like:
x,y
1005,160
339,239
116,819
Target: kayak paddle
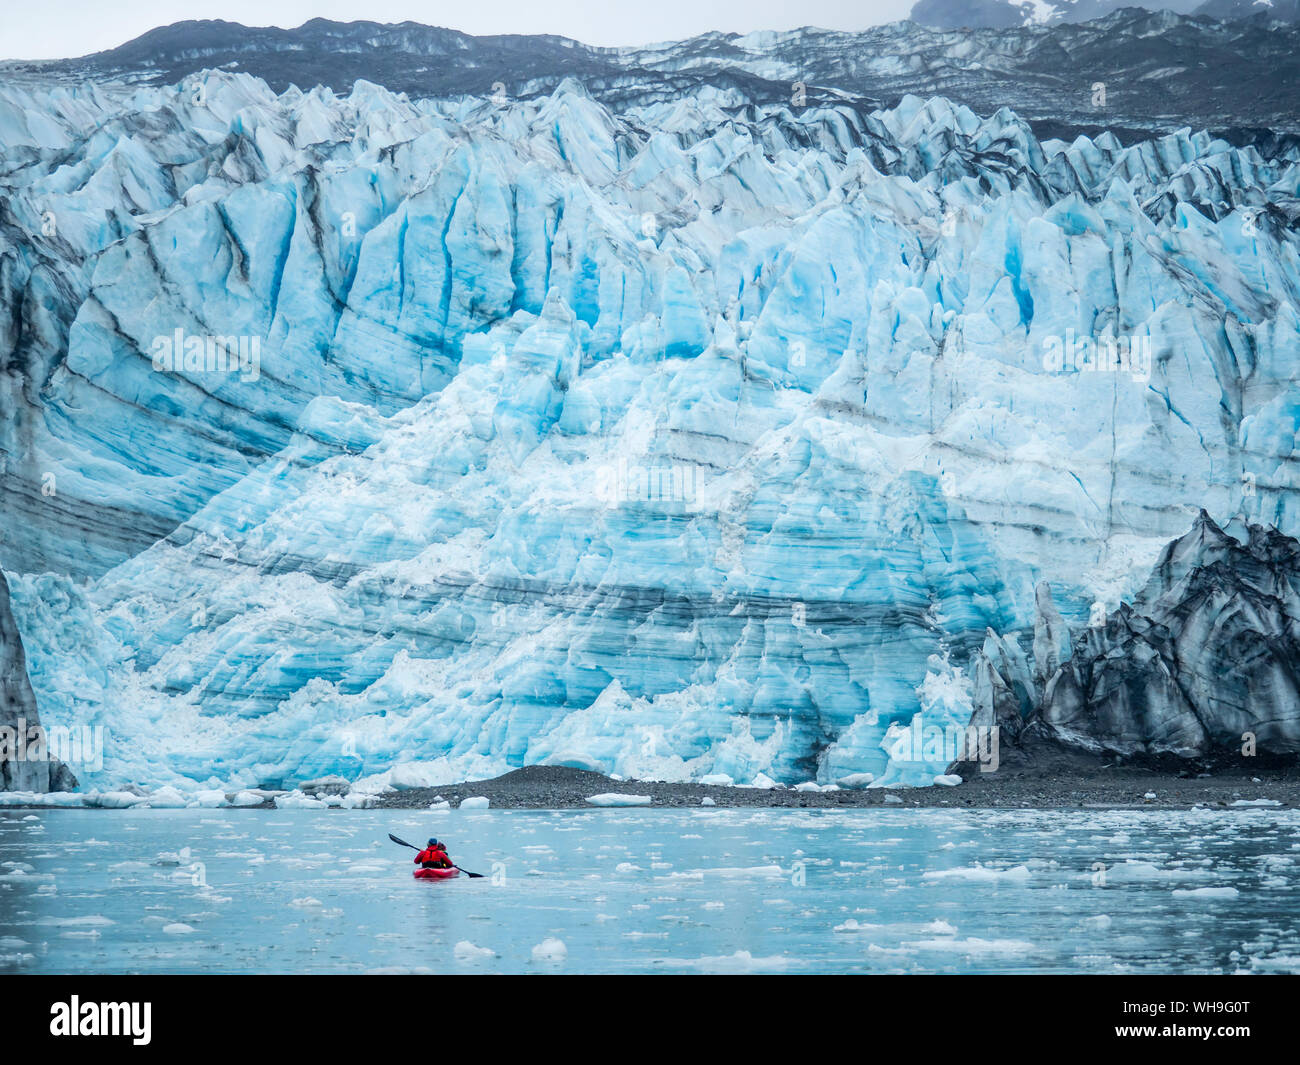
x,y
402,842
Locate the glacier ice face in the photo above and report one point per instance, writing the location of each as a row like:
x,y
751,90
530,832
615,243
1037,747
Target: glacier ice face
x,y
681,441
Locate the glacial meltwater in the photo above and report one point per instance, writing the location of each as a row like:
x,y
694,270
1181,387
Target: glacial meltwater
x,y
643,890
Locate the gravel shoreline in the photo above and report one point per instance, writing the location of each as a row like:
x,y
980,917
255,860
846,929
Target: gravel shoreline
x,y
560,788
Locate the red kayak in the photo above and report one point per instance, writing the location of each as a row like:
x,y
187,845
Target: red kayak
x,y
436,874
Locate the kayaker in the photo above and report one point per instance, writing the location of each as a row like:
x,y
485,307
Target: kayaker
x,y
434,856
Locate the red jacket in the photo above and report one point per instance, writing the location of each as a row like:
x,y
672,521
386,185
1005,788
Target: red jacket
x,y
435,857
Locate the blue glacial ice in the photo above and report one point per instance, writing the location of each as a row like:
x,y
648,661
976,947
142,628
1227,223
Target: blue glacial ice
x,y
699,439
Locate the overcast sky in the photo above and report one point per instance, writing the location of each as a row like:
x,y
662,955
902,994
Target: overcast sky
x,y
56,29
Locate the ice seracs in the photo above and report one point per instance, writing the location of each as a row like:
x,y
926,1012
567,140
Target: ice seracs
x,y
695,439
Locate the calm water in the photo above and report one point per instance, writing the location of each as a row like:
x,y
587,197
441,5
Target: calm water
x,y
641,891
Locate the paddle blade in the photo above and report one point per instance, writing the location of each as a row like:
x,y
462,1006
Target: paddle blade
x,y
402,842
472,876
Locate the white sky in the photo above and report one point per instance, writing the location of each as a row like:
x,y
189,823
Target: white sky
x,y
58,29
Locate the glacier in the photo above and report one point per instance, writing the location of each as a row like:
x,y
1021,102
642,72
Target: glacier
x,y
702,437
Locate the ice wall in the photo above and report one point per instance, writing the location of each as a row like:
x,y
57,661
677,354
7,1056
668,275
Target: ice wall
x,y
669,442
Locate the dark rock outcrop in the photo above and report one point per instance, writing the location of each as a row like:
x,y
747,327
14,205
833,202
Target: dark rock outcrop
x,y
1003,691
17,708
1203,666
1051,639
1206,663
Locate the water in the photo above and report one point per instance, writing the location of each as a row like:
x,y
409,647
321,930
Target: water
x,y
917,890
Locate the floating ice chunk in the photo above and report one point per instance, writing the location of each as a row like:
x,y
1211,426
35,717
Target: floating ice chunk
x,y
466,952
89,921
717,780
974,946
550,950
852,926
296,800
1206,893
246,798
614,798
754,871
166,798
1277,962
13,961
29,877
1132,869
441,804
708,801
113,800
743,961
980,873
1255,802
176,928
475,802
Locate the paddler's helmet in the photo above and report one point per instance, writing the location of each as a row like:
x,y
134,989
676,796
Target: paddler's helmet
x,y
432,843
